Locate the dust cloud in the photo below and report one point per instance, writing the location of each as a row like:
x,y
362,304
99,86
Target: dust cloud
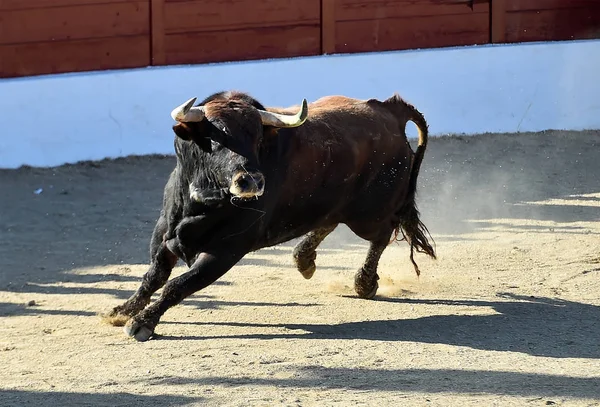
x,y
464,183
469,184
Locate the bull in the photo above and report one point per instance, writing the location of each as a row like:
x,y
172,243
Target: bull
x,y
248,177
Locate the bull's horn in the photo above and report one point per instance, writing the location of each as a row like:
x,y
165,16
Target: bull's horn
x,y
187,113
284,120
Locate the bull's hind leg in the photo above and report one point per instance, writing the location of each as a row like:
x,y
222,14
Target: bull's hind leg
x,y
162,262
305,251
365,280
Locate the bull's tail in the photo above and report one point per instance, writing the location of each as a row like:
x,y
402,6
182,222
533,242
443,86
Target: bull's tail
x,y
410,225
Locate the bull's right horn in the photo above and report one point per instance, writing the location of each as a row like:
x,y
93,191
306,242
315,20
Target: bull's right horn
x,y
284,120
187,113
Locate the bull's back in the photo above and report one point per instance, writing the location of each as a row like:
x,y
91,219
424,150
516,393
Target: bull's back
x,y
350,159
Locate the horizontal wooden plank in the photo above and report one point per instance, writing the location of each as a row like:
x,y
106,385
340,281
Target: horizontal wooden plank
x,y
75,22
553,25
213,15
410,33
33,4
216,46
74,56
523,5
350,10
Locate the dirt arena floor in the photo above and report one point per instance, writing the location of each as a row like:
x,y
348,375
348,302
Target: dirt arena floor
x,y
509,315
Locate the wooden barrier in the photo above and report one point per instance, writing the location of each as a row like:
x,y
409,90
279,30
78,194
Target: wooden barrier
x,y
55,36
52,36
199,31
552,20
366,25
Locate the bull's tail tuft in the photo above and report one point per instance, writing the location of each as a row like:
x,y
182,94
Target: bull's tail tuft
x,y
411,227
415,233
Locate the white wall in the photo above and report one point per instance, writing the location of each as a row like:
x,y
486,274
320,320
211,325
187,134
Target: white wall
x,y
56,119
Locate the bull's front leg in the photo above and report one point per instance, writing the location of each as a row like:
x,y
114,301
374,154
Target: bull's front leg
x,y
162,262
206,269
153,280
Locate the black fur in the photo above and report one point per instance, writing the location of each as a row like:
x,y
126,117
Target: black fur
x,y
330,170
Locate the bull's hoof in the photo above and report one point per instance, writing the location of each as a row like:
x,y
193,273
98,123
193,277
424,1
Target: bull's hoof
x,y
138,330
309,272
305,263
366,289
370,294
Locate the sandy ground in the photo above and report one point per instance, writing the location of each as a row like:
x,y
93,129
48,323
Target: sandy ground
x,y
508,315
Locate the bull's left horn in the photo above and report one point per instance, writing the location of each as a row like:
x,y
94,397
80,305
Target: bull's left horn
x,y
283,120
187,113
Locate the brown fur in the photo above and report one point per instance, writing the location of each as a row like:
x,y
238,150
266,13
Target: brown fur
x,y
349,162
395,111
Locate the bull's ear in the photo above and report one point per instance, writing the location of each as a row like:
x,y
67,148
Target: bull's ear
x,y
184,132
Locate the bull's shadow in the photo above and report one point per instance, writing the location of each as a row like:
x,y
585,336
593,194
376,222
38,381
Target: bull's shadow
x,y
58,398
400,381
535,326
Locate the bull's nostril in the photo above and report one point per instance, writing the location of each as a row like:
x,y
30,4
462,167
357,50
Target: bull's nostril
x,y
243,183
249,183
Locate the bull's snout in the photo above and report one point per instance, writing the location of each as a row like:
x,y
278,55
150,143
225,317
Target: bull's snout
x,y
247,185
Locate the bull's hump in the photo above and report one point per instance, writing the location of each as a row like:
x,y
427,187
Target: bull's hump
x,y
334,101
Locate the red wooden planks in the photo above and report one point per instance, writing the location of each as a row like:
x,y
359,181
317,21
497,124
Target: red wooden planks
x,y
416,32
72,56
49,36
35,4
74,22
71,36
157,39
347,10
498,21
521,5
222,15
230,30
553,25
243,44
328,23
364,25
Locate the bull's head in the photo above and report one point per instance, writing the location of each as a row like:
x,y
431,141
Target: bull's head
x,y
230,128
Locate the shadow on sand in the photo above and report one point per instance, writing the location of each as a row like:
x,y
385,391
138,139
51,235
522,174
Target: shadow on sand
x,y
535,326
56,398
425,381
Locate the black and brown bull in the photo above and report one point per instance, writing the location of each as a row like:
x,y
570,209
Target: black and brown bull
x,y
249,177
